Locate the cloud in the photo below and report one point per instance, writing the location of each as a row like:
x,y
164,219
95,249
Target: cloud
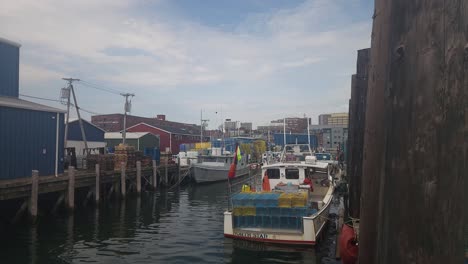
x,y
156,53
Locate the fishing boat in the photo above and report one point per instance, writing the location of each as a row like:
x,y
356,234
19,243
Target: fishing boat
x,y
215,168
284,210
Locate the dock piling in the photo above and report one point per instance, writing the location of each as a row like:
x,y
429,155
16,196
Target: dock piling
x,y
123,188
166,179
34,193
138,176
155,171
98,183
71,188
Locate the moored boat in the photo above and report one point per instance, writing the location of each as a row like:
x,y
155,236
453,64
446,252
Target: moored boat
x,y
215,168
285,211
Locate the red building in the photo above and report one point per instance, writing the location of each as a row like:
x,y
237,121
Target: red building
x,y
170,137
114,122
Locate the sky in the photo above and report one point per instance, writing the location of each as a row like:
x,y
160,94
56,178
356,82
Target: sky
x,y
248,60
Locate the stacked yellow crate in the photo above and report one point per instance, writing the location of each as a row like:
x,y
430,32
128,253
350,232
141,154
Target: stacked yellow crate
x,y
285,200
299,199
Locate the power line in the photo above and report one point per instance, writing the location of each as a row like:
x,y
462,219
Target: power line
x,y
55,100
94,86
40,98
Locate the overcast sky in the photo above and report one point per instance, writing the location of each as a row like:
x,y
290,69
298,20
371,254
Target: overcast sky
x,y
254,60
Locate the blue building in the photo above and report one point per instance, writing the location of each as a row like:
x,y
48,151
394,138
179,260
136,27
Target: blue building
x,y
31,135
76,145
295,139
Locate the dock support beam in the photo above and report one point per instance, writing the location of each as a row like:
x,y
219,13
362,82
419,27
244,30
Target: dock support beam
x,y
98,184
155,173
123,187
138,176
178,169
71,188
166,179
34,193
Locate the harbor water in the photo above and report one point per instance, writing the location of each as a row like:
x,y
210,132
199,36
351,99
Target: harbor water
x,y
180,226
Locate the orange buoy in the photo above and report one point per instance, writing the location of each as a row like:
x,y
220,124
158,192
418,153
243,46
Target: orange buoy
x,y
348,247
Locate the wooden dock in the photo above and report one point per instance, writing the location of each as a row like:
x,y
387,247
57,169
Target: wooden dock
x,y
97,183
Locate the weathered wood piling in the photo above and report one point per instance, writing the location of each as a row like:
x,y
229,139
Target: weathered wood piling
x,y
415,150
357,117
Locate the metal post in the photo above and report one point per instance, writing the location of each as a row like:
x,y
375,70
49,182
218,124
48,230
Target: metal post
x,y
98,183
71,188
138,176
34,193
123,187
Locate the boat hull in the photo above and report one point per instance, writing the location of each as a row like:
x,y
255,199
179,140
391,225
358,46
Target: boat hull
x,y
206,174
308,236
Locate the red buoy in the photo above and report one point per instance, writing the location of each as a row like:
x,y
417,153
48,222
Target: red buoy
x,y
348,247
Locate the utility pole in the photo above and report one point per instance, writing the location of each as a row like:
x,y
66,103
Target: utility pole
x,y
83,135
127,108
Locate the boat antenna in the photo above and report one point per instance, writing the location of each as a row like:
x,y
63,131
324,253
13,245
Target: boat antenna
x,y
308,131
284,131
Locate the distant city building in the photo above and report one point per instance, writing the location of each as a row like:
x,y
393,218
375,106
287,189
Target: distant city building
x,y
230,125
323,119
335,119
293,125
330,136
246,126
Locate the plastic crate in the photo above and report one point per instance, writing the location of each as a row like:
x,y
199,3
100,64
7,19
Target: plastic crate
x,y
299,199
287,211
275,211
266,221
301,211
272,199
275,221
263,211
285,200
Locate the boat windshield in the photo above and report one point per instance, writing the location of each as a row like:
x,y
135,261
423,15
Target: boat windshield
x,y
295,153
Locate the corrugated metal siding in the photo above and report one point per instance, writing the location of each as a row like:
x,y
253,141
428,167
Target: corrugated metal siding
x,y
9,70
92,133
28,142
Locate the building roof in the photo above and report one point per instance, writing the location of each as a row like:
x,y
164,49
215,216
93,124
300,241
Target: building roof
x,y
9,42
129,135
23,104
168,129
74,119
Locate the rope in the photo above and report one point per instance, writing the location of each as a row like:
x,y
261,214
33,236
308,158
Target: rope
x,y
181,179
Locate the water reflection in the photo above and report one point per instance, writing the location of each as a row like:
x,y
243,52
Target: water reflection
x,y
179,226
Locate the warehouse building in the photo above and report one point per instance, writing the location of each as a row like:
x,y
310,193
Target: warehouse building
x,y
171,137
140,141
31,135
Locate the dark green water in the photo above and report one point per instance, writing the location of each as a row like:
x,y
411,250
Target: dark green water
x,y
184,226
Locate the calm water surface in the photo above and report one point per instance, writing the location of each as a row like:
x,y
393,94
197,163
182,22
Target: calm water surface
x,y
183,226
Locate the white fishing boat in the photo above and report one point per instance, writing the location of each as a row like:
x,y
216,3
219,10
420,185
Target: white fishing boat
x,y
215,168
284,210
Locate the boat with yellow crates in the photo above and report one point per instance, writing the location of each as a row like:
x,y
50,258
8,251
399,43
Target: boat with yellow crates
x,y
290,212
